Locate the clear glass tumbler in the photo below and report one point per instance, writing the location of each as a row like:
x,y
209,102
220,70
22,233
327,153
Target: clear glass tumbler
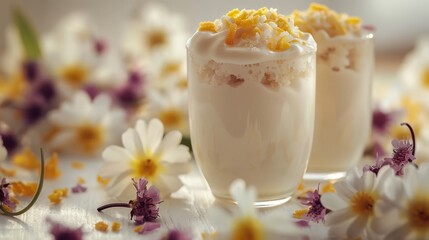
x,y
345,66
252,121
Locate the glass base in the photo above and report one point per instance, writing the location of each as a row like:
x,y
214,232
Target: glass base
x,y
323,176
257,204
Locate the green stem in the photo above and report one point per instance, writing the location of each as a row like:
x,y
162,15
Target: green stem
x,y
36,196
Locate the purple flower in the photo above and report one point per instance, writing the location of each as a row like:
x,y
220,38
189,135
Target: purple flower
x,y
149,227
177,235
100,46
78,189
379,163
144,208
402,155
46,89
31,70
317,211
34,109
10,141
61,232
131,93
4,195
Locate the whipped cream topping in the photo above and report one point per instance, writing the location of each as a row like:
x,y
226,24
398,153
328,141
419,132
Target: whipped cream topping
x,y
250,36
319,18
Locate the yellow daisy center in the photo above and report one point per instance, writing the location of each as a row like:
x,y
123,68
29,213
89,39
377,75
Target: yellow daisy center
x,y
183,83
425,77
75,75
418,214
147,166
413,112
247,228
156,38
362,203
171,68
171,118
89,137
14,87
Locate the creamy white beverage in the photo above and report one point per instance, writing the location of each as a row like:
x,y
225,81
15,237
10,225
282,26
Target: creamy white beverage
x,y
345,63
251,101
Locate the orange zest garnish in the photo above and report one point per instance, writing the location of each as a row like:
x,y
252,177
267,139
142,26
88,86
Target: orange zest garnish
x,y
52,170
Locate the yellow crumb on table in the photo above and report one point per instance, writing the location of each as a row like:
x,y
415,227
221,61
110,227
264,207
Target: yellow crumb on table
x,y
138,228
8,172
52,170
301,186
24,189
57,195
116,226
77,165
26,159
209,235
101,226
81,180
102,181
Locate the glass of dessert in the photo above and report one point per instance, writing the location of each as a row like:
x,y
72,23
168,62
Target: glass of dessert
x,y
251,102
345,63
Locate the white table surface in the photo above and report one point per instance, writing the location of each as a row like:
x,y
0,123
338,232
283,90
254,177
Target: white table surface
x,y
185,210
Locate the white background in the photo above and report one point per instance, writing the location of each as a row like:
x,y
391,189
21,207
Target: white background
x,y
398,22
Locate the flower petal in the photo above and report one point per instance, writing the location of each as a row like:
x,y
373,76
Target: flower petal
x,y
155,132
219,217
335,217
132,142
141,129
178,154
167,185
333,201
244,197
342,188
170,141
117,154
368,181
357,227
112,169
399,233
177,168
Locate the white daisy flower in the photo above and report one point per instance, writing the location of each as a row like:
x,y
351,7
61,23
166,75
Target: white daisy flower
x,y
414,72
78,58
246,223
85,126
171,107
146,153
404,212
3,151
352,205
415,106
153,30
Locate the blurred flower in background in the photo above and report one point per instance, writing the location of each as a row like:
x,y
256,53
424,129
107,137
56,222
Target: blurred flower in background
x,y
73,91
406,101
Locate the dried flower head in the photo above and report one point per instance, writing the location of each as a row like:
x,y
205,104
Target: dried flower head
x,y
62,232
5,200
144,208
317,211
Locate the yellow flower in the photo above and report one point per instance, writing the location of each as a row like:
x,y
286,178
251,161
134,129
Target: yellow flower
x,y
102,181
116,226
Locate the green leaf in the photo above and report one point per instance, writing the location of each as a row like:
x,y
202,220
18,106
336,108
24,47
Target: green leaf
x,y
28,36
